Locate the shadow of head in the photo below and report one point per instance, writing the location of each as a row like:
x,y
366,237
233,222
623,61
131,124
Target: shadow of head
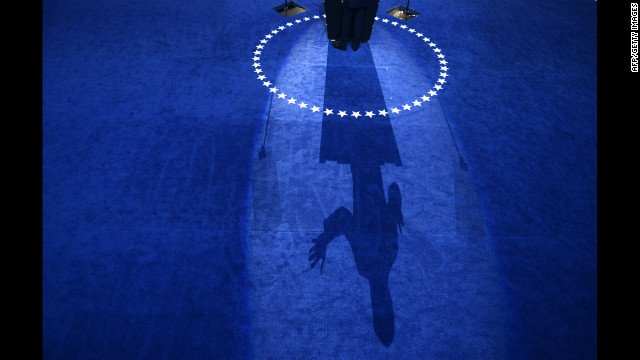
x,y
382,310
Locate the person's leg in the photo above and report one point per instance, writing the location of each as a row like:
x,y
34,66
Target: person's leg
x,y
347,23
358,16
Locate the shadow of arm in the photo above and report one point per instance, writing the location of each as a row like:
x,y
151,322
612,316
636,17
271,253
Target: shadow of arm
x,y
336,224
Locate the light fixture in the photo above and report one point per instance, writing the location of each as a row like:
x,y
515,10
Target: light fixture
x,y
289,8
403,12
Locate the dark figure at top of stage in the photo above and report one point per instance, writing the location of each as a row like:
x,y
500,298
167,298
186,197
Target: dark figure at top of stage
x,y
353,12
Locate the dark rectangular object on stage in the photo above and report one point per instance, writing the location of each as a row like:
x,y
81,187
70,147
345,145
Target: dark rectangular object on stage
x,y
333,11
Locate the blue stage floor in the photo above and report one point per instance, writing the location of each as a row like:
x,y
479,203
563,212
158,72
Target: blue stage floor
x,y
169,234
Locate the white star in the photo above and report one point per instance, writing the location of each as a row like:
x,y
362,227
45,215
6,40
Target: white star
x,y
306,19
419,35
274,31
369,114
394,23
376,18
444,68
316,17
395,110
289,24
298,21
328,111
432,44
427,39
315,109
406,107
355,114
342,113
255,58
282,96
382,112
438,87
412,31
257,71
432,93
273,89
281,27
385,20
292,101
436,50
269,36
256,64
440,56
257,52
403,26
266,83
441,81
261,77
259,47
417,103
324,15
444,75
443,62
425,98
264,41
302,105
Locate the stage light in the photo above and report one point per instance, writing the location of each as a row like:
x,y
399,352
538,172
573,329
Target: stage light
x,y
289,8
403,12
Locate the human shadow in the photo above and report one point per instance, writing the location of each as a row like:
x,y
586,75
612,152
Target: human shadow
x,y
365,143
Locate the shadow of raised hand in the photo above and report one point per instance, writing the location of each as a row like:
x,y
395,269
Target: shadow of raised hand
x,y
337,223
319,250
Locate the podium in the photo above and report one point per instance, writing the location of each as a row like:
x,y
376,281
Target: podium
x,y
333,11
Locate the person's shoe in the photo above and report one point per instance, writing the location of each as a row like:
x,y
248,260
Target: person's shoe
x,y
339,46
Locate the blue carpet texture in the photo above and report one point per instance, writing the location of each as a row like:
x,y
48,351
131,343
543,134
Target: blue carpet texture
x,y
221,183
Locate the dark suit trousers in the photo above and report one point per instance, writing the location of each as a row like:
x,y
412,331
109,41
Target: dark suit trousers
x,y
352,18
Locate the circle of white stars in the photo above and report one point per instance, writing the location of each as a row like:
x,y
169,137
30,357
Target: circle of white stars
x,y
291,100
